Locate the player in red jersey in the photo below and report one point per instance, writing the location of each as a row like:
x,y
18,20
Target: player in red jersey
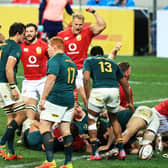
x,y
126,68
34,60
162,112
77,40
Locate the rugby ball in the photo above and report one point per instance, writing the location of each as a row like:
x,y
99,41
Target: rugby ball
x,y
146,152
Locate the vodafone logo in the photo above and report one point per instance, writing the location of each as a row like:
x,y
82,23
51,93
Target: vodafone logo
x,y
32,59
72,47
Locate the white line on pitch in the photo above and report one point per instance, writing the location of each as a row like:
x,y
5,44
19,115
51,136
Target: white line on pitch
x,y
150,101
36,163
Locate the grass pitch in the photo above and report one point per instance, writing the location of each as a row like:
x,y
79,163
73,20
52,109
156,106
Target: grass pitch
x,y
149,82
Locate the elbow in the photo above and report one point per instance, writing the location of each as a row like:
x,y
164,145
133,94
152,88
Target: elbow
x,y
102,27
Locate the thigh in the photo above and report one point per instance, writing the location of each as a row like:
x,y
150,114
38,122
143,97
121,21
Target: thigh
x,y
79,79
29,89
144,113
96,100
40,86
113,100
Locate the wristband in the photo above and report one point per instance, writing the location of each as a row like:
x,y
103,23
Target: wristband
x,y
12,86
93,11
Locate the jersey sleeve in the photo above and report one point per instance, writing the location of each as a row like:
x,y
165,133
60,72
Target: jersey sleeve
x,y
86,65
53,67
119,73
16,52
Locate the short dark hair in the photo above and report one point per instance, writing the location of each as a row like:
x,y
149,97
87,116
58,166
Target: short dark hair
x,y
32,25
124,66
16,28
96,50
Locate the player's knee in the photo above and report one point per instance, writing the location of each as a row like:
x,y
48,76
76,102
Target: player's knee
x,y
91,117
92,126
68,140
148,137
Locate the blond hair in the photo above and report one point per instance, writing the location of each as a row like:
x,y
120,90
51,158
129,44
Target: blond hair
x,y
78,16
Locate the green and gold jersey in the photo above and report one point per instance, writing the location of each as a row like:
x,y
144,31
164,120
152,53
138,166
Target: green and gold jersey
x,y
82,124
65,70
8,48
104,72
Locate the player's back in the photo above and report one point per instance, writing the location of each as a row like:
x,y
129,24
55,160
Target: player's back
x,y
104,72
65,70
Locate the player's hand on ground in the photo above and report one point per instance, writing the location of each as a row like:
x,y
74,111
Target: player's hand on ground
x,y
103,148
41,105
14,94
90,9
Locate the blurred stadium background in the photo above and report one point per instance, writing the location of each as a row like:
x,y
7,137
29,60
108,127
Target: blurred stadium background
x,y
139,3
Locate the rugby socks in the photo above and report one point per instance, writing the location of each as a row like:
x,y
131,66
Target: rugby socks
x,y
94,145
10,135
48,142
68,148
120,144
4,138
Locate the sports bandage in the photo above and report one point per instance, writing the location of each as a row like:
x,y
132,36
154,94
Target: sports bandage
x,y
92,127
31,107
12,86
19,107
8,110
148,137
92,117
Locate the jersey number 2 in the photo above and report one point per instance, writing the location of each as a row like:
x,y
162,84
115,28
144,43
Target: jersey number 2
x,y
71,74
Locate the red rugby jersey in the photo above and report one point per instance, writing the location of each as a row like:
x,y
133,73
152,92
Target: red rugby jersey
x,y
34,59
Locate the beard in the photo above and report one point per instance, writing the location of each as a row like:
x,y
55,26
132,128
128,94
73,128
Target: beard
x,y
31,40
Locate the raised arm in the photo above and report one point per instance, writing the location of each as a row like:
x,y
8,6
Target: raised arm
x,y
114,51
100,23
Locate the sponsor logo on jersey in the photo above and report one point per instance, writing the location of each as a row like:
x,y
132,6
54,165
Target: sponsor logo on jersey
x,y
66,38
78,37
25,49
38,50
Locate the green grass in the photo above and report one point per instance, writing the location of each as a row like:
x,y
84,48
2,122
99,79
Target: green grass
x,y
148,81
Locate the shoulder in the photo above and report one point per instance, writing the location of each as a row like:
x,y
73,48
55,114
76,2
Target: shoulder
x,y
63,32
23,43
42,42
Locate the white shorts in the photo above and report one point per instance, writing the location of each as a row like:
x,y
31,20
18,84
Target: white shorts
x,y
5,95
33,88
56,113
79,79
104,97
163,128
149,116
